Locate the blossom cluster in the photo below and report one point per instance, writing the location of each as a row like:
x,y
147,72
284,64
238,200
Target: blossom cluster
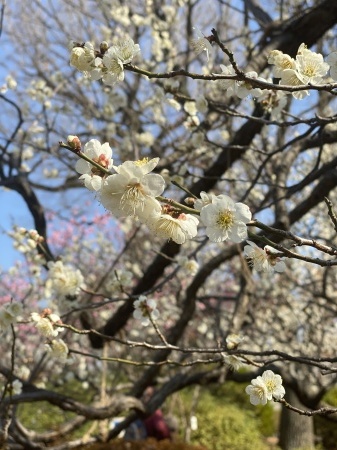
x,y
306,68
64,281
108,64
45,321
25,240
133,191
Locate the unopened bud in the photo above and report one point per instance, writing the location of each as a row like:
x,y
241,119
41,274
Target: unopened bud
x,y
103,47
74,142
189,201
46,312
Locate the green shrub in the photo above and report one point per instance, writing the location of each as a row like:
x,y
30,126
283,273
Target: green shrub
x,y
222,425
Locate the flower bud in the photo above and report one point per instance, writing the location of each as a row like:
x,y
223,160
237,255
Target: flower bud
x,y
74,142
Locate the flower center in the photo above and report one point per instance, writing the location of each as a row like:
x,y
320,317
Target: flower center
x,y
310,70
141,162
260,391
133,196
271,385
225,219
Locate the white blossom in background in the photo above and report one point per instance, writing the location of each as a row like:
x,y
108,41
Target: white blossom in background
x,y
58,349
232,361
201,43
102,155
11,82
132,191
233,341
332,61
25,241
189,266
9,314
179,228
16,387
226,220
273,102
143,308
263,259
245,88
63,280
121,279
201,104
230,86
190,108
50,173
265,387
41,92
44,323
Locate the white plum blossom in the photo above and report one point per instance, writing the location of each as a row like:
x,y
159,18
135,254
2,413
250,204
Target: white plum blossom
x,y
9,314
63,280
101,154
178,228
332,61
226,220
265,387
233,341
310,65
115,58
281,61
189,266
201,104
245,88
144,308
16,387
11,82
205,199
263,259
121,279
132,191
237,88
83,57
308,68
44,324
229,85
58,349
201,43
232,361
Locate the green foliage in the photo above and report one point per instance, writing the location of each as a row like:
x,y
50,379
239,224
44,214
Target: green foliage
x,y
234,393
224,425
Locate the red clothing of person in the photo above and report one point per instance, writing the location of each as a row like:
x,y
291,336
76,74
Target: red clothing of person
x,y
157,427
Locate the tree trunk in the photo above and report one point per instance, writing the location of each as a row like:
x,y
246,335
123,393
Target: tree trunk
x,y
296,431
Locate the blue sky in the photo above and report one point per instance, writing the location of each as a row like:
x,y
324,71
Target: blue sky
x,y
13,211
